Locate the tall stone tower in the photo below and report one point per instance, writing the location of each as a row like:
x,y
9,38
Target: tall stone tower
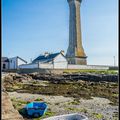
x,y
75,53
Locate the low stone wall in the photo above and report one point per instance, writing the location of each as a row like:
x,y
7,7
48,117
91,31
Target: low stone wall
x,y
10,70
46,66
113,68
95,67
26,71
29,66
60,71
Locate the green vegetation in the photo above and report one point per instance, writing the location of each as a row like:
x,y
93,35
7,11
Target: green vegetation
x,y
115,94
98,115
83,110
47,114
74,109
71,109
75,102
38,99
68,88
91,71
81,89
18,103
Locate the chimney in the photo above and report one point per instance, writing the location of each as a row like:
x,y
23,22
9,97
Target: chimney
x,y
46,54
62,52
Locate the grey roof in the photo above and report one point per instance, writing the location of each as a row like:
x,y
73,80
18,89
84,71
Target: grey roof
x,y
18,58
43,58
5,59
22,59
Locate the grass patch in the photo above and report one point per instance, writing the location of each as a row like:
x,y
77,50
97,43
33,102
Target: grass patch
x,y
115,94
98,115
71,109
47,114
74,102
76,90
77,109
39,99
21,102
91,71
17,104
83,110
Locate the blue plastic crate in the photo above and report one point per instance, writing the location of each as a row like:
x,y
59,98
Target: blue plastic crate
x,y
36,109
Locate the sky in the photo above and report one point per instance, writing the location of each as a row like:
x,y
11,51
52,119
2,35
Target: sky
x,y
32,27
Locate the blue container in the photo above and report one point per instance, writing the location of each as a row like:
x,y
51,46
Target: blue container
x,y
36,109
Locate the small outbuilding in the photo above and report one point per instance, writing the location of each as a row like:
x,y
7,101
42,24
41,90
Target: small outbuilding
x,y
4,63
15,62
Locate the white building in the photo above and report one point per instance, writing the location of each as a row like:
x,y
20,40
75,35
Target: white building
x,y
4,63
15,62
48,61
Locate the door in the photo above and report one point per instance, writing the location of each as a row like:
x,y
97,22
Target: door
x,y
4,66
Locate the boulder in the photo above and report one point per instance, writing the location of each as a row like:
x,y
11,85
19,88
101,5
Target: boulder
x,y
8,111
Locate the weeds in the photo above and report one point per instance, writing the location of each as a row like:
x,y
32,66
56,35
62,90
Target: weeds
x,y
77,90
98,115
74,102
91,71
39,99
83,110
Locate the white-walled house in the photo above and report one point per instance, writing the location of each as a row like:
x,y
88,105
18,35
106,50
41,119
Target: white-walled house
x,y
15,62
60,61
48,61
54,60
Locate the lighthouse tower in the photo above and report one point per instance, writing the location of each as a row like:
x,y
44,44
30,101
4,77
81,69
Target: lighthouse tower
x,y
75,52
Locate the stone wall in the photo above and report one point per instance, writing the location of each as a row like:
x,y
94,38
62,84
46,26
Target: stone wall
x,y
60,71
95,67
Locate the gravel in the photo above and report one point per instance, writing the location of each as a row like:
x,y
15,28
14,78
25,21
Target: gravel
x,y
63,105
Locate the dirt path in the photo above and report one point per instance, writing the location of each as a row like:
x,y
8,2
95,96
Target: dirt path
x,y
95,108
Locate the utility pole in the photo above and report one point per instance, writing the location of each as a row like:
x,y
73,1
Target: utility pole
x,y
114,60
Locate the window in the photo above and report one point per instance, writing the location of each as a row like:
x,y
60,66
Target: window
x,y
4,66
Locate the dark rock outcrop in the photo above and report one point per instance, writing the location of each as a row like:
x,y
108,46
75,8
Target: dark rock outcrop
x,y
77,76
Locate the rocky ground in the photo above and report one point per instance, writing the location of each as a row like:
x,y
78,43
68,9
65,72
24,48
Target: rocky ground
x,y
8,111
66,93
95,109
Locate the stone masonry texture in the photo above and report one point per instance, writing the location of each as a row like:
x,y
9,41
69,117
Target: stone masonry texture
x,y
75,53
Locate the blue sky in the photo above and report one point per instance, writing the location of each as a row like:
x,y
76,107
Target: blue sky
x,y
32,27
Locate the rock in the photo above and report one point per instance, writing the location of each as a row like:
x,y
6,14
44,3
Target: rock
x,y
8,111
